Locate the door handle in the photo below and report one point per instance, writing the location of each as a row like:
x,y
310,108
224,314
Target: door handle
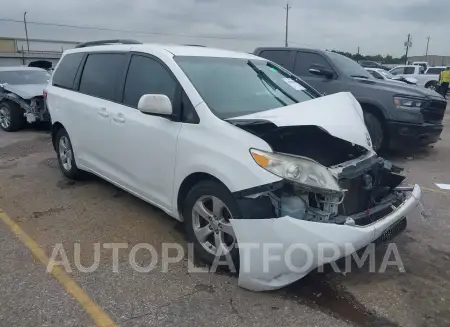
x,y
103,112
119,119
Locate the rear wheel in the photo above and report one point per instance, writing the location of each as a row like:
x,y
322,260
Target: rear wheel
x,y
432,86
11,117
376,130
207,211
66,157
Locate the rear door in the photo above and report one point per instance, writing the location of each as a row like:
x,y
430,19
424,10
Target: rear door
x,y
303,62
98,89
146,161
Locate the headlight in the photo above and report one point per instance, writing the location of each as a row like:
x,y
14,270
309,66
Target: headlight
x,y
407,103
300,170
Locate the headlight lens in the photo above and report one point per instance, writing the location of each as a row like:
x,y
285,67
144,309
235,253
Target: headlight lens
x,y
407,103
300,170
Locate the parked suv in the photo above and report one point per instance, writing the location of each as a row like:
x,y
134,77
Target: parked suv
x,y
239,149
397,115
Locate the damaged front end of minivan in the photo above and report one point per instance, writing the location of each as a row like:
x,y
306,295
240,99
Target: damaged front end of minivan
x,y
332,191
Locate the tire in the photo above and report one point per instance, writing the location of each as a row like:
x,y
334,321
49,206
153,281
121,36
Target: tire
x,y
211,194
66,157
376,131
432,86
11,117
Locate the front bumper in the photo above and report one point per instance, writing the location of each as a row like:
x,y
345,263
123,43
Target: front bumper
x,y
407,135
276,252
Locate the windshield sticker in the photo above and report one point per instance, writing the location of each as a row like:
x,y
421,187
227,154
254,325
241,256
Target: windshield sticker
x,y
294,84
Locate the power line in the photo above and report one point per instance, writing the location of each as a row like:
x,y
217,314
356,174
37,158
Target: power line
x,y
136,31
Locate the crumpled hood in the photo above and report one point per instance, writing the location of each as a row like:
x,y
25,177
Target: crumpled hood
x,y
26,91
338,114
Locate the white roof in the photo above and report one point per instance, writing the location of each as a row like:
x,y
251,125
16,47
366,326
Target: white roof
x,y
14,68
174,50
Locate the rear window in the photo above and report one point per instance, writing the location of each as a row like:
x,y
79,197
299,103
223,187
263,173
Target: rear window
x,y
101,75
434,71
280,57
64,76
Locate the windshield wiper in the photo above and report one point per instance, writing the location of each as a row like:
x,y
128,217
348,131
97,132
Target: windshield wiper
x,y
359,76
264,77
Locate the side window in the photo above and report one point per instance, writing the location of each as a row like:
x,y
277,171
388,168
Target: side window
x,y
397,71
409,70
64,76
188,113
280,57
304,60
147,76
101,75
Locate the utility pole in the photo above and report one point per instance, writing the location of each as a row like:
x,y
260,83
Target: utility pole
x,y
358,51
408,44
426,52
287,24
26,31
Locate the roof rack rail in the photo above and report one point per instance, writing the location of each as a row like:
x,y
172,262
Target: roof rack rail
x,y
194,45
106,42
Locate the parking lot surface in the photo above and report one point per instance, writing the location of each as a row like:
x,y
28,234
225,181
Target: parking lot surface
x,y
52,210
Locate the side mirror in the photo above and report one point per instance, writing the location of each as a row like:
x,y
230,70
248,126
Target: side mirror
x,y
158,104
321,71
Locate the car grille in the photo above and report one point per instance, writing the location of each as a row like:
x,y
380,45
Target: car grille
x,y
434,112
392,232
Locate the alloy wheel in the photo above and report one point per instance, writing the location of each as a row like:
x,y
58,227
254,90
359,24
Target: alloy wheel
x,y
211,224
5,117
65,153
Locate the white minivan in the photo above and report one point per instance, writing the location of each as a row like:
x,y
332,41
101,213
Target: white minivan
x,y
239,149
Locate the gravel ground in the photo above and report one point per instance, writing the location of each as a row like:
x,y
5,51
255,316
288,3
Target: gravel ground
x,y
51,210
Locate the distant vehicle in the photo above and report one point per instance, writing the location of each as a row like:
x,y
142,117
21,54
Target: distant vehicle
x,y
372,64
21,97
429,81
397,115
424,64
379,73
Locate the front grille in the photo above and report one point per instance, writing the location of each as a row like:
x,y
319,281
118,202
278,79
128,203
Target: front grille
x,y
390,233
434,112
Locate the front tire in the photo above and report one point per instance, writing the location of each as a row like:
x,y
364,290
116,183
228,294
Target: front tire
x,y
432,86
11,117
207,210
66,156
376,131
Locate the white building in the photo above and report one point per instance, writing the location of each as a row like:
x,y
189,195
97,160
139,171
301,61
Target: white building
x,y
17,51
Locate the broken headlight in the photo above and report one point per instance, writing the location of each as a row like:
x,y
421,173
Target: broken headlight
x,y
297,169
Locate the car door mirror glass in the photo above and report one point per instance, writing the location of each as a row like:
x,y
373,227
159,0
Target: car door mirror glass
x,y
321,71
158,104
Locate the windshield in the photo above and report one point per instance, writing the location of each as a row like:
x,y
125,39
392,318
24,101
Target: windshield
x,y
386,74
21,77
235,87
348,66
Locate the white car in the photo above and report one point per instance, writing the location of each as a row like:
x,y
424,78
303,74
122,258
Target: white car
x,y
239,149
379,73
429,81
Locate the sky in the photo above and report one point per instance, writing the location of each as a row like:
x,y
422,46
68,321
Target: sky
x,y
375,26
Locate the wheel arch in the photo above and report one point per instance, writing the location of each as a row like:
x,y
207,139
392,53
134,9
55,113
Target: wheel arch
x,y
378,113
188,183
56,127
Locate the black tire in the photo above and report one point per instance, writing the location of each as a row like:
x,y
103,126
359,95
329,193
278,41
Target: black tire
x,y
71,171
376,131
214,189
16,116
433,86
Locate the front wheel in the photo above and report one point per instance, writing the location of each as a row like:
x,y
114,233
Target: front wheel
x,y
207,211
11,117
375,129
432,86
